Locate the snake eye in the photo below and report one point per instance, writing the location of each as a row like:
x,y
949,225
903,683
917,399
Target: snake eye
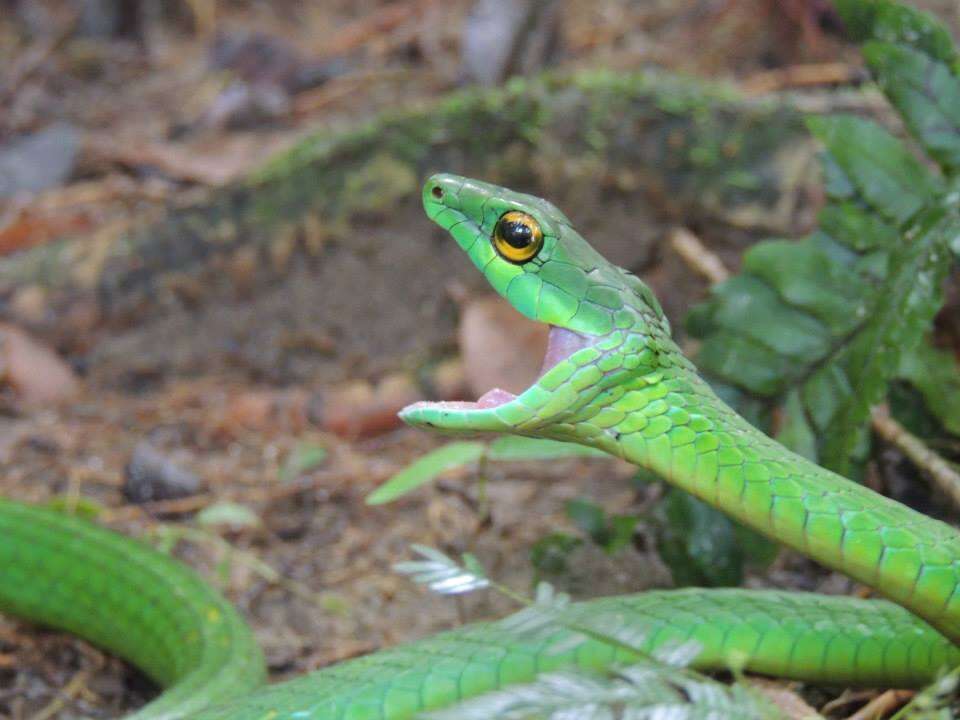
x,y
517,237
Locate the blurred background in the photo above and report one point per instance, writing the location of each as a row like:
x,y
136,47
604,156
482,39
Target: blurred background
x,y
217,286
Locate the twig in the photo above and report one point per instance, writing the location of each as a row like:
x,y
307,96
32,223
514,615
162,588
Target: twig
x,y
70,690
697,255
939,470
379,22
882,704
832,73
34,57
309,101
847,697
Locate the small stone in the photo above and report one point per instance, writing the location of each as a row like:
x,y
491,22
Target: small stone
x,y
150,476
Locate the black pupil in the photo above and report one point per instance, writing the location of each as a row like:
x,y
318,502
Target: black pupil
x,y
516,233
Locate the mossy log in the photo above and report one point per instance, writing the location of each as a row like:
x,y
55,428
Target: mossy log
x,y
322,258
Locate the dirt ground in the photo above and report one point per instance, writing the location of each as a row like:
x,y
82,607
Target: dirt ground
x,y
311,569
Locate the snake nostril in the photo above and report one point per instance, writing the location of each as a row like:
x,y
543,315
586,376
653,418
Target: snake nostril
x,y
437,192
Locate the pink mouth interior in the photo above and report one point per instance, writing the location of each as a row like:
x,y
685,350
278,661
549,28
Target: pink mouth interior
x,y
561,344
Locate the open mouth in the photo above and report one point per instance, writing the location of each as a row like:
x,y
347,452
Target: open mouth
x,y
561,344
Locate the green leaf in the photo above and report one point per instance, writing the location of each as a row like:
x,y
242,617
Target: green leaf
x,y
854,227
743,362
426,469
821,323
442,574
610,532
830,306
878,165
165,538
79,506
303,458
621,531
756,311
541,617
551,554
589,517
517,447
937,701
890,21
644,689
795,431
911,297
758,550
698,543
927,95
229,515
936,374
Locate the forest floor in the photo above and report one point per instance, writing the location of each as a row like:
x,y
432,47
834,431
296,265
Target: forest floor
x,y
307,561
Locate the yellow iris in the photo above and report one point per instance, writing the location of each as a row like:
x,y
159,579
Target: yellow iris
x,y
517,237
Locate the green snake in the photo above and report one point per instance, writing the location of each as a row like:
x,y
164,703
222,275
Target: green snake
x,y
612,379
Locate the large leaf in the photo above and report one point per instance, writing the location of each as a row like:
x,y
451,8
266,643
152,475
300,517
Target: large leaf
x,y
516,447
911,296
641,690
885,20
427,468
702,546
457,454
610,532
935,374
926,93
878,166
819,325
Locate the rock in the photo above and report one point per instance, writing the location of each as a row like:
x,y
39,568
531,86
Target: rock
x,y
151,475
38,161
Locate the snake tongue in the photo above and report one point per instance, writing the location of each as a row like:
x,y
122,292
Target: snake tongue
x,y
494,397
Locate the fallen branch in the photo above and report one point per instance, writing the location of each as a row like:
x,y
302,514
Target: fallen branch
x,y
883,704
939,470
796,76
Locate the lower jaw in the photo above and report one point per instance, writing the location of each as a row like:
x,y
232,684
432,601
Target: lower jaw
x,y
561,344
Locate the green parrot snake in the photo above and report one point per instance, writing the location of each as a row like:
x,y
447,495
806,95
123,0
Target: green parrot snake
x,y
612,379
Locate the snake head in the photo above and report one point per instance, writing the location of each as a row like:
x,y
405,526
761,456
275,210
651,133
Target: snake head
x,y
604,322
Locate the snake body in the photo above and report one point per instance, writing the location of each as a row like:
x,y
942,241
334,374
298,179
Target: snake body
x,y
614,380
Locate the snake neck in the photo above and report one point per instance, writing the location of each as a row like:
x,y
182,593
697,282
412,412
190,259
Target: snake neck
x,y
671,422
